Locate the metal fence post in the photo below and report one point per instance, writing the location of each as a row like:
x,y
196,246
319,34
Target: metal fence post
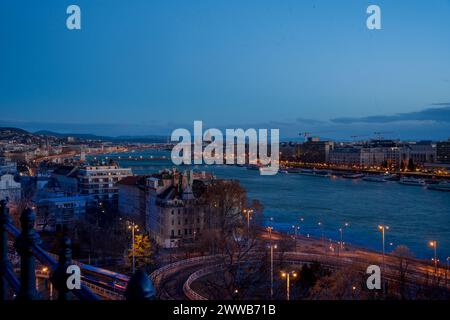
x,y
59,276
4,219
24,244
140,287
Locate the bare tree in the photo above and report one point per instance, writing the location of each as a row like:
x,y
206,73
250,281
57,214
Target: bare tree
x,y
344,284
232,235
404,255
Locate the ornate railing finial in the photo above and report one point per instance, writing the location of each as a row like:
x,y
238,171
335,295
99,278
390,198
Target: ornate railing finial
x,y
27,239
140,287
59,276
4,219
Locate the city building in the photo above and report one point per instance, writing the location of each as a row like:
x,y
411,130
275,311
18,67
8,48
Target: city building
x,y
132,199
443,152
385,152
10,188
289,151
67,178
175,210
422,152
167,205
20,156
101,182
372,157
345,156
57,211
315,151
7,166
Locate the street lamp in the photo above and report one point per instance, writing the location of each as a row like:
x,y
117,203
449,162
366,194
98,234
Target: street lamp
x,y
446,271
341,231
287,276
296,229
301,221
133,227
248,213
433,244
321,231
383,229
272,246
270,229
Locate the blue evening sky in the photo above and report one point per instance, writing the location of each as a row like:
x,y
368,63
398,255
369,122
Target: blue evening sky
x,y
145,67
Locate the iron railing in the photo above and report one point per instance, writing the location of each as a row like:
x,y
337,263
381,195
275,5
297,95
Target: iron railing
x,y
27,244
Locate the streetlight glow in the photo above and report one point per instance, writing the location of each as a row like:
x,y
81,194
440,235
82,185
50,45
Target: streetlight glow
x,y
288,275
433,244
383,229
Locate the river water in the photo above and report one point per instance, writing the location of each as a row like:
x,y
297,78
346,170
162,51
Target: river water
x,y
414,215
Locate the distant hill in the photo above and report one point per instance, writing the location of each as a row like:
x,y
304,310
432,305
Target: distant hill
x,y
8,130
18,135
23,136
7,133
65,135
141,139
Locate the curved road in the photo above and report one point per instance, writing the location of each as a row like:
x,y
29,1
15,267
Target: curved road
x,y
171,281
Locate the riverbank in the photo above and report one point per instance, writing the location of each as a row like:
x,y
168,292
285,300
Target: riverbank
x,y
341,170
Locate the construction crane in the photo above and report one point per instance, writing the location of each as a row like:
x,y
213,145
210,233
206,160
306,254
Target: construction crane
x,y
379,135
359,136
306,135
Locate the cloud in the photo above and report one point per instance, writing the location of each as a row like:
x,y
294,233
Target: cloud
x,y
441,114
309,121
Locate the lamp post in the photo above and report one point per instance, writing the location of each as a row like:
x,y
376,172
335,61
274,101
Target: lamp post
x,y
446,271
301,223
433,244
321,231
133,226
383,229
287,276
270,229
248,213
341,243
342,237
271,269
295,228
50,286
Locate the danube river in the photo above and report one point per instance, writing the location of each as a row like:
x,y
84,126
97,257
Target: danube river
x,y
414,215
